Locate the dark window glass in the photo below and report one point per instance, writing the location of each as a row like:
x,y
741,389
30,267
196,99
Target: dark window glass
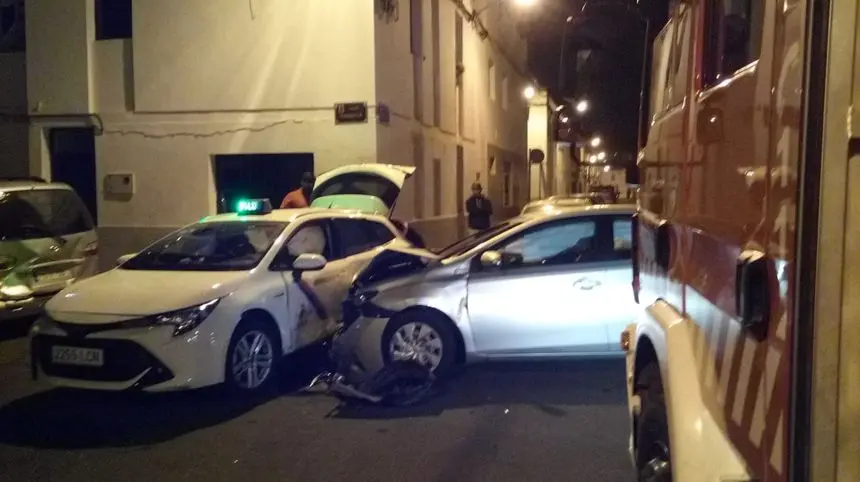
x,y
733,31
41,213
357,235
313,237
13,34
215,246
113,19
554,243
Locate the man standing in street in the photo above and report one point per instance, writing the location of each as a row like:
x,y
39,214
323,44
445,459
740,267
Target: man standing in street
x,y
301,197
479,208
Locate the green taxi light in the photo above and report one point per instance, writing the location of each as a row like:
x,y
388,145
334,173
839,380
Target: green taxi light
x,y
253,206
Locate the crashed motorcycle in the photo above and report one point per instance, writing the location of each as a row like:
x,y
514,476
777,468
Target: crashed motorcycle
x,y
357,372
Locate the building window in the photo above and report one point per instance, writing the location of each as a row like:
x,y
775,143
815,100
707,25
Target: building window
x,y
507,188
113,19
733,29
437,64
415,26
459,69
505,93
13,36
437,187
492,80
416,46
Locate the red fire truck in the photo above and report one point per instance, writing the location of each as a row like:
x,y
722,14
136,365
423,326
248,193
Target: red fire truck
x,y
742,366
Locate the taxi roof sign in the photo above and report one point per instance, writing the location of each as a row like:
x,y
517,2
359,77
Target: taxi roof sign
x,y
253,206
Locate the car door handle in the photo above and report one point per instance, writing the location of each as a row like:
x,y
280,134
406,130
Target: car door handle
x,y
586,284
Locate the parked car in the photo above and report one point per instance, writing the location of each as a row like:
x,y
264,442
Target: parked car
x,y
537,285
47,241
554,203
220,300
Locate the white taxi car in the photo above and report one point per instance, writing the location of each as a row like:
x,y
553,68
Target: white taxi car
x,y
220,300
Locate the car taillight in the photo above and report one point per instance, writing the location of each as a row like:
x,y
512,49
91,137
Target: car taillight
x,y
92,249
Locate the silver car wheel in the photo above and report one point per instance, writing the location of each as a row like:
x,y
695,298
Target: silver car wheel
x,y
418,342
253,359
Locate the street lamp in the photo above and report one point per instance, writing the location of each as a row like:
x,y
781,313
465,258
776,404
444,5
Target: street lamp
x,y
582,106
529,92
601,156
595,141
564,119
592,159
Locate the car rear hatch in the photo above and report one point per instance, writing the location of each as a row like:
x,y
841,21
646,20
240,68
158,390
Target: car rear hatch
x,y
370,188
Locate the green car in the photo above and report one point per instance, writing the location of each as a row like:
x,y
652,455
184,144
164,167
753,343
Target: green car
x,y
47,241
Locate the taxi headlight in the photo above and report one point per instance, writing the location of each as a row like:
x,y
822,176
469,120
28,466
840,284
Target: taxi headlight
x,y
186,319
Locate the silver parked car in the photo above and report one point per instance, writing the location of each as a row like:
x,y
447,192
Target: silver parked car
x,y
555,203
539,285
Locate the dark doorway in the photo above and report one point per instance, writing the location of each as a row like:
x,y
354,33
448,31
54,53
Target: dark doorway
x,y
73,161
258,176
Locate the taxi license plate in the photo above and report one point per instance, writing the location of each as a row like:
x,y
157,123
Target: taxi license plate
x,y
68,355
51,277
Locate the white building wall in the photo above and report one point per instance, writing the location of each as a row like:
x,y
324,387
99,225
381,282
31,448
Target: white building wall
x,y
207,77
488,128
58,58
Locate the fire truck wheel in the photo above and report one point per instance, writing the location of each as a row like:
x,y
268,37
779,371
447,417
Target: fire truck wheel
x,y
652,432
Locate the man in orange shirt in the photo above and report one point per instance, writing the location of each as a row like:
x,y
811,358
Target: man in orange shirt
x,y
301,197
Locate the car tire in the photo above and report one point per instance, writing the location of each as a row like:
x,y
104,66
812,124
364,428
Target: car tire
x,y
653,455
437,324
265,362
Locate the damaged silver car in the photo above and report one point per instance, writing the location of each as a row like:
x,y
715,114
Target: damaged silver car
x,y
540,285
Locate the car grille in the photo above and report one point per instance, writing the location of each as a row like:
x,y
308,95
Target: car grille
x,y
123,360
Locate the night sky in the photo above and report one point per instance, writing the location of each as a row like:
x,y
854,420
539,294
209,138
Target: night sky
x,y
610,78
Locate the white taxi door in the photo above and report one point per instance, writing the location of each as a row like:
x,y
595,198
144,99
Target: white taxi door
x,y
312,297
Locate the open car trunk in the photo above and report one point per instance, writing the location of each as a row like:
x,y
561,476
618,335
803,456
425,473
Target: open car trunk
x,y
370,188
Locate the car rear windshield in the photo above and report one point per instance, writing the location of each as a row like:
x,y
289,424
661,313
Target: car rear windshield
x,y
469,242
216,246
41,213
359,183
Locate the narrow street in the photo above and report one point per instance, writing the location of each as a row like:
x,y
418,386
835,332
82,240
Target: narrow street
x,y
499,422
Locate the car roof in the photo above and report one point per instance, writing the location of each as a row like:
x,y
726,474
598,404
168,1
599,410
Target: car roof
x,y
290,215
580,210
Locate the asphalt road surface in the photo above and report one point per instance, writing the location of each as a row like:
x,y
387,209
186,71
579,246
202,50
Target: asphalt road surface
x,y
546,421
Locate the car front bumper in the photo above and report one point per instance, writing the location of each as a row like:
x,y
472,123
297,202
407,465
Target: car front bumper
x,y
147,359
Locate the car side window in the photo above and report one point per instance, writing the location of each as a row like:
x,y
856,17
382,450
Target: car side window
x,y
622,237
359,235
556,243
311,238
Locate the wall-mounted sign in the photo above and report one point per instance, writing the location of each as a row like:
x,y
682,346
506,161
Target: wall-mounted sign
x,y
383,114
350,113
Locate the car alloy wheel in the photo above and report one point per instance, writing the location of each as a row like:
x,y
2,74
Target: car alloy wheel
x,y
253,360
417,341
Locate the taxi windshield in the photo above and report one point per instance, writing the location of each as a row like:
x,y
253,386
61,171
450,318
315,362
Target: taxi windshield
x,y
213,246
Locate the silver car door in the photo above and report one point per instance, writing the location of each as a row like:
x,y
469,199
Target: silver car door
x,y
621,308
546,297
